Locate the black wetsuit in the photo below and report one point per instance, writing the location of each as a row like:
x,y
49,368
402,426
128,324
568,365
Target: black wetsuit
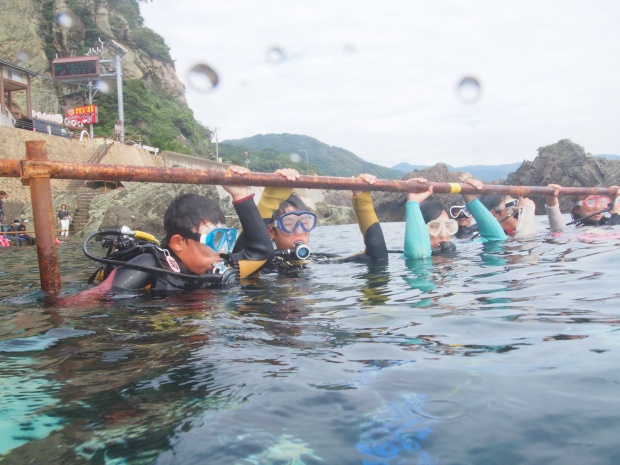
x,y
249,259
366,218
612,220
466,232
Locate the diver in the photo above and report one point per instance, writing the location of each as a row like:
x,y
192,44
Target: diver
x,y
458,211
588,210
194,251
289,223
517,217
428,228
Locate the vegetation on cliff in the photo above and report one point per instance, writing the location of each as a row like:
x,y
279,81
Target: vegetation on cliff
x,y
155,118
270,151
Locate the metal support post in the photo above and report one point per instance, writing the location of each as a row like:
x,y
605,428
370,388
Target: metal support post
x,y
43,214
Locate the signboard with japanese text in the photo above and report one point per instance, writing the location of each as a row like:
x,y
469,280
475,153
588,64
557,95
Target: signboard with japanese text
x,y
86,67
78,116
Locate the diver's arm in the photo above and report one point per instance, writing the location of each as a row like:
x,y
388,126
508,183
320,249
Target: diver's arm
x,y
417,241
526,224
271,199
369,226
269,202
489,227
258,248
556,221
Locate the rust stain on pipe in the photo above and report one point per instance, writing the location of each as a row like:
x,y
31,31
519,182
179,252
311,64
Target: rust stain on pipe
x,y
86,171
43,215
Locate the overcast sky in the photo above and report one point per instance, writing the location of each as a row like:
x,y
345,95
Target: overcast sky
x,y
381,78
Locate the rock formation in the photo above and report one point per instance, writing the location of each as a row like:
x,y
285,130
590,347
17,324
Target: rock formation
x,y
567,164
390,206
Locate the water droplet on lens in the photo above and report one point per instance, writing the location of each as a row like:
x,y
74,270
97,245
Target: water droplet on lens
x,y
22,56
103,87
440,410
203,78
64,20
349,49
275,55
295,157
469,89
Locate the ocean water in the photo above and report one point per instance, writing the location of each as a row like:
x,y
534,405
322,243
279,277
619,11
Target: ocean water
x,y
499,354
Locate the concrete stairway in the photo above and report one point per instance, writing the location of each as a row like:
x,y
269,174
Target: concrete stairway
x,y
81,214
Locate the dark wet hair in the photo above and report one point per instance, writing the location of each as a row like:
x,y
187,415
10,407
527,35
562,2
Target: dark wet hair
x,y
458,202
292,201
431,210
187,212
491,201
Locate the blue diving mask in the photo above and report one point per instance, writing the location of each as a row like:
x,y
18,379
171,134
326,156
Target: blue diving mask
x,y
289,222
219,239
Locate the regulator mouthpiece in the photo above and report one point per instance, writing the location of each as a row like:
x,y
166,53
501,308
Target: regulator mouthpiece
x,y
300,251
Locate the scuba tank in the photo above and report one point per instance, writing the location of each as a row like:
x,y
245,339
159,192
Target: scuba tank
x,y
125,244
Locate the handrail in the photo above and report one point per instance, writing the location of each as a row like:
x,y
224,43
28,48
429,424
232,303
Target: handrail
x,y
85,171
37,171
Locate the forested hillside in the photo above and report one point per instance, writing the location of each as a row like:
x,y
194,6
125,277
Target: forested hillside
x,y
270,151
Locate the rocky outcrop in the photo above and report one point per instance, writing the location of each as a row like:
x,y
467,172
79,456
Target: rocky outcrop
x,y
27,33
390,206
567,164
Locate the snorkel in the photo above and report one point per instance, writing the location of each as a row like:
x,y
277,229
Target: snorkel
x,y
581,221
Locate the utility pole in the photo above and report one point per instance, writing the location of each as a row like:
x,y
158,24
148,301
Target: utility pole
x,y
217,153
116,63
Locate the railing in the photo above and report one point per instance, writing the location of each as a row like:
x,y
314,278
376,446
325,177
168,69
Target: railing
x,y
36,171
9,116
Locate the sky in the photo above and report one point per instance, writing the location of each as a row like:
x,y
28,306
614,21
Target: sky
x,y
463,82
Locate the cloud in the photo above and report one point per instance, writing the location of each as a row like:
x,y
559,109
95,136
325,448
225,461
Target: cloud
x,y
381,80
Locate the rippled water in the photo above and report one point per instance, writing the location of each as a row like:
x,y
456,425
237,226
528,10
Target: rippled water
x,y
500,354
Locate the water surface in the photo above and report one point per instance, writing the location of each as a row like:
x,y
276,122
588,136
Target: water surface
x,y
500,354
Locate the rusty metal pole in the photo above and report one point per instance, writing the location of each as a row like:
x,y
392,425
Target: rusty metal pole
x,y
69,170
43,213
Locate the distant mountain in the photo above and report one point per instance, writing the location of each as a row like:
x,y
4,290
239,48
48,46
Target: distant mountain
x,y
485,173
608,156
269,151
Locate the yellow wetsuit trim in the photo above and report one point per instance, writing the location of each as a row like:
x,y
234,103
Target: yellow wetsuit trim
x,y
364,211
271,199
249,267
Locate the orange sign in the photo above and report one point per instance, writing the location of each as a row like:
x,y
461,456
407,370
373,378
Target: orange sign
x,y
78,116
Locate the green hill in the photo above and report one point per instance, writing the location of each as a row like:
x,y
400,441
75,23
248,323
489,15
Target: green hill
x,y
268,152
485,173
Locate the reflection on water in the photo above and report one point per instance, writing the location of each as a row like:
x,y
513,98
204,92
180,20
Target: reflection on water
x,y
501,354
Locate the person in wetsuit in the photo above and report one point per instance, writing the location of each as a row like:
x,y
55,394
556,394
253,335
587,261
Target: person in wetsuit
x,y
195,236
289,223
428,227
517,217
587,210
458,211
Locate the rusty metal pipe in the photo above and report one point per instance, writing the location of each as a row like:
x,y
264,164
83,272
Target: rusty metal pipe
x,y
57,170
43,215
